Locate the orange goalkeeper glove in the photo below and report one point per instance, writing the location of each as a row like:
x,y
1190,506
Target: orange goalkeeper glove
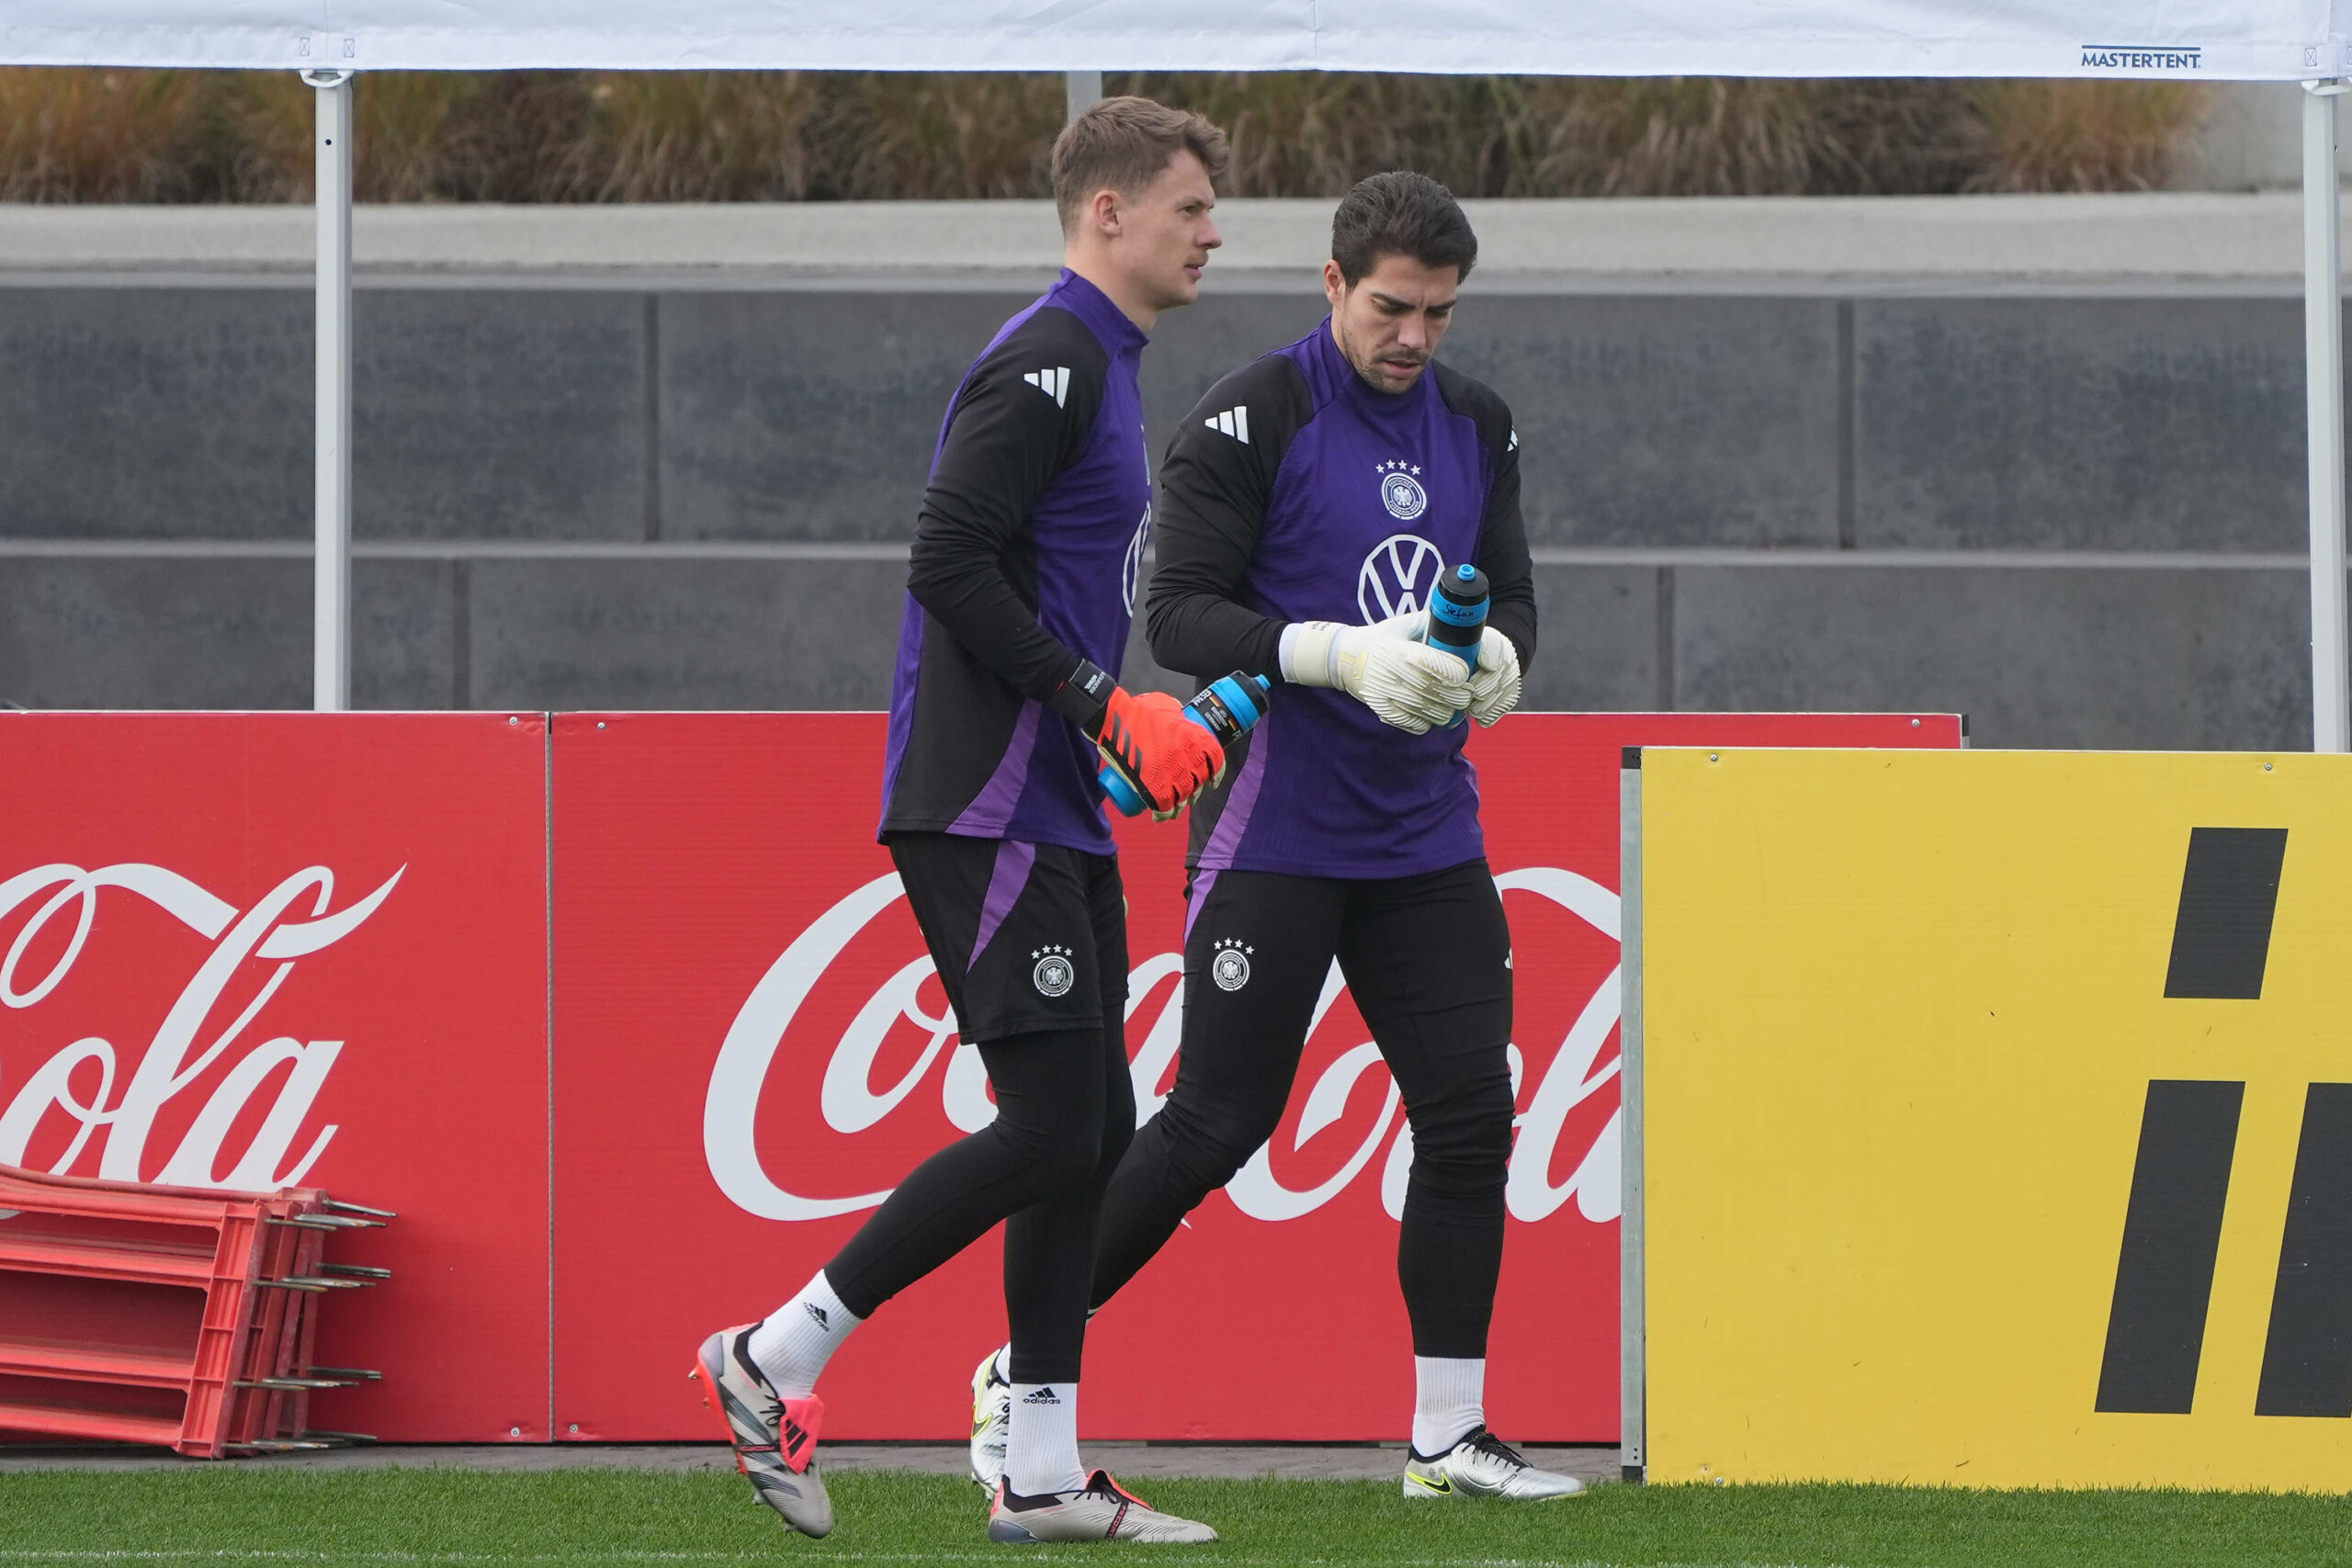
x,y
1165,755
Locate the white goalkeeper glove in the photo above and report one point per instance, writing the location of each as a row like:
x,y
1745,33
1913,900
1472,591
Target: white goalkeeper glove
x,y
1384,666
1493,685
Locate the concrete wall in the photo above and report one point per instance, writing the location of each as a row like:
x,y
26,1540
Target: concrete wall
x,y
2075,518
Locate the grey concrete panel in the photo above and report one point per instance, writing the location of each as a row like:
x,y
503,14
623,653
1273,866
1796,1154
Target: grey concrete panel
x,y
689,634
1595,641
2160,659
1194,348
156,413
403,635
1640,420
2161,425
497,414
186,414
214,633
1662,421
808,416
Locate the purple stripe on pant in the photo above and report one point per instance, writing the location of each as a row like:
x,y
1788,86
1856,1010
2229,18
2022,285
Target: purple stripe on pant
x,y
1196,898
1013,862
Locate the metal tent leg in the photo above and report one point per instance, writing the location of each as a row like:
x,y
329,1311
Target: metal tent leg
x,y
1633,1227
2324,373
331,635
1080,91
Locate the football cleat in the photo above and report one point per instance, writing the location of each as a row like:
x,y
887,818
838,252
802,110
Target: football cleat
x,y
1483,1465
991,1418
1102,1510
774,1438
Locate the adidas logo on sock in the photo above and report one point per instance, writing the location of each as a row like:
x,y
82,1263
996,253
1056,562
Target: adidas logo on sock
x,y
1054,383
1042,1397
1232,422
818,1312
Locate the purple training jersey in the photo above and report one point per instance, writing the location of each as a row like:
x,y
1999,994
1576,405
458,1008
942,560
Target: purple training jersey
x,y
1297,492
1025,563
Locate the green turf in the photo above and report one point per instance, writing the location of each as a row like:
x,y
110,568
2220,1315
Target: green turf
x,y
252,1513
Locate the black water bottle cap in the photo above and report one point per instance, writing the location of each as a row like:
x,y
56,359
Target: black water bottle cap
x,y
1466,585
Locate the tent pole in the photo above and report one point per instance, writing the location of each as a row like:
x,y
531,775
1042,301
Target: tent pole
x,y
331,584
1080,91
2323,374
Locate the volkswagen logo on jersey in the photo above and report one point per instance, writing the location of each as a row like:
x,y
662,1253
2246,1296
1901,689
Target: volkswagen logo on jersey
x,y
1133,577
1402,493
1230,967
1053,977
1398,576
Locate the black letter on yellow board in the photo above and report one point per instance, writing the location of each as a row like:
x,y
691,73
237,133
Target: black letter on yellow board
x,y
2307,1362
2220,939
2164,1280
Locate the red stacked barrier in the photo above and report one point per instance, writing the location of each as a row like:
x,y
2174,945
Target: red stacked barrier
x,y
168,1314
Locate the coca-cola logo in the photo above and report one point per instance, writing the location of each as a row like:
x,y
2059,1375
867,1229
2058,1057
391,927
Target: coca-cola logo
x,y
86,1087
894,1022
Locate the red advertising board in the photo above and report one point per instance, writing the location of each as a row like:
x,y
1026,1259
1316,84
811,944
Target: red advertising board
x,y
248,949
751,1048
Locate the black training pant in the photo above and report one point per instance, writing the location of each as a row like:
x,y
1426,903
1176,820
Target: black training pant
x,y
1428,959
1065,1104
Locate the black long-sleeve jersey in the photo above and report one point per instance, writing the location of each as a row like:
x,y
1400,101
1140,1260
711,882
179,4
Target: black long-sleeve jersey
x,y
1026,556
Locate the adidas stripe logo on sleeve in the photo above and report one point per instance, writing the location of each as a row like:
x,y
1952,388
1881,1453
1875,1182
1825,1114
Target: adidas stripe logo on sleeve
x,y
1054,383
1234,422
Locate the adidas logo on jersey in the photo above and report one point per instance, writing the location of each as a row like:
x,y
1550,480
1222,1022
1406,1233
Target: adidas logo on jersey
x,y
1234,422
1054,383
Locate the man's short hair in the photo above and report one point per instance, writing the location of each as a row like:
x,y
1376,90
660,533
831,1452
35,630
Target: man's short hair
x,y
1400,214
1122,144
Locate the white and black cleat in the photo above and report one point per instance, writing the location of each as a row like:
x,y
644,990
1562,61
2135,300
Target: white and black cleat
x,y
1483,1465
774,1438
1102,1510
992,1417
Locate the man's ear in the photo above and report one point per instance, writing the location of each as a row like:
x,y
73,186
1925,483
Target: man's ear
x,y
1335,283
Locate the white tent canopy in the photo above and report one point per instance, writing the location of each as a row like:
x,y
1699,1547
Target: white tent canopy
x,y
2251,40
2179,40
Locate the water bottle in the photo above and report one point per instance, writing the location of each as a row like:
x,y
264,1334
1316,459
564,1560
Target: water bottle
x,y
1458,617
1226,709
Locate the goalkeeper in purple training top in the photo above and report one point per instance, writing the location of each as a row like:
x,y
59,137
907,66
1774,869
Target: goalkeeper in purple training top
x,y
1308,507
1018,598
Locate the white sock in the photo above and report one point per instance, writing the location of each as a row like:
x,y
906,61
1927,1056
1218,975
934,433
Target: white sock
x,y
793,1346
1449,1401
1041,1451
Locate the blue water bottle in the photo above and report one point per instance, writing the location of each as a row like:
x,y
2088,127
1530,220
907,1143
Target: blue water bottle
x,y
1226,709
1458,617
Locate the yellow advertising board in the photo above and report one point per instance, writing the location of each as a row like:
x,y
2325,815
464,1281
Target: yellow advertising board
x,y
1998,1117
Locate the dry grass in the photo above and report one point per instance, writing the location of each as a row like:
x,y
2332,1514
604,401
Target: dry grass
x,y
769,136
2083,135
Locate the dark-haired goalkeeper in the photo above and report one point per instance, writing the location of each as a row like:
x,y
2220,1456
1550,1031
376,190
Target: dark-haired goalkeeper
x,y
1306,509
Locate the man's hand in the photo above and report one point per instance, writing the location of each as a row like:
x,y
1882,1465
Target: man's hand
x,y
1384,666
1168,758
1493,685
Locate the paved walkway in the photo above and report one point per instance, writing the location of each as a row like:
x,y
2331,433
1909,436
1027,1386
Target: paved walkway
x,y
1140,1461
